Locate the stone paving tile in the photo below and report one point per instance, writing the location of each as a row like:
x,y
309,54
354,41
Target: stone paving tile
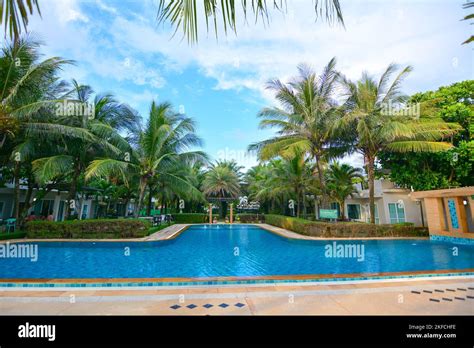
x,y
372,298
298,305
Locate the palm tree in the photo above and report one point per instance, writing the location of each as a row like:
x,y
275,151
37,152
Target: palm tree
x,y
283,179
340,180
183,14
221,182
81,136
11,11
27,88
305,120
377,129
164,142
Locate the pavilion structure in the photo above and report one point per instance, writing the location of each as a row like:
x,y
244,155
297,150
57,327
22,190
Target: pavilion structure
x,y
220,200
449,213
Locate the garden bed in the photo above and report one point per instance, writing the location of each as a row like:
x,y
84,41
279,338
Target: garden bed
x,y
88,229
344,229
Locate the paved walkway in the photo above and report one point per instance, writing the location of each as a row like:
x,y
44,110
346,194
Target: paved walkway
x,y
167,233
433,297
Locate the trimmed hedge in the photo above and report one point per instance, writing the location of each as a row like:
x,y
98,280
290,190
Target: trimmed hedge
x,y
344,229
250,218
14,235
83,229
190,218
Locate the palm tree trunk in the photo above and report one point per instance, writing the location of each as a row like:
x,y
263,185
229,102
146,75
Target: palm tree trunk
x,y
297,203
143,183
371,177
342,209
28,202
324,198
16,175
148,208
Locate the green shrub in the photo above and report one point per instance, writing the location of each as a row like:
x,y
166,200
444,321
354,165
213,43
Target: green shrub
x,y
83,229
14,235
250,218
190,218
344,229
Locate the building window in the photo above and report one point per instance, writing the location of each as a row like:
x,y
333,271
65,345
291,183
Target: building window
x,y
353,211
47,207
397,213
376,210
85,208
1,209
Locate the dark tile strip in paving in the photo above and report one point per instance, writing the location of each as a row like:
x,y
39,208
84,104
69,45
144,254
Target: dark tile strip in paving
x,y
447,299
434,300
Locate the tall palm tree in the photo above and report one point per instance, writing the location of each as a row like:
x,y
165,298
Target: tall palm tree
x,y
183,14
340,180
27,87
164,142
305,120
221,182
12,11
80,137
369,119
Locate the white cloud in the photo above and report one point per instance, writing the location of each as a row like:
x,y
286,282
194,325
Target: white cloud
x,y
68,10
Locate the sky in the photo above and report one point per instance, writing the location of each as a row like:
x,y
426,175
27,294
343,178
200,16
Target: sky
x,y
119,48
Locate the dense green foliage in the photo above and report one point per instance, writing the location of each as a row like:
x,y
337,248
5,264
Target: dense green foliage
x,y
250,218
14,235
190,218
455,167
83,229
344,229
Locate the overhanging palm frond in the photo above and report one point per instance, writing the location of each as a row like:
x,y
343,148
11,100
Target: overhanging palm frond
x,y
418,146
46,169
104,168
12,11
183,14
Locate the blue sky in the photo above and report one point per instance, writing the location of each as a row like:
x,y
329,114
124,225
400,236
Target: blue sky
x,y
119,48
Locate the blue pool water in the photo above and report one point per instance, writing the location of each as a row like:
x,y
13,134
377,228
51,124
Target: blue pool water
x,y
238,250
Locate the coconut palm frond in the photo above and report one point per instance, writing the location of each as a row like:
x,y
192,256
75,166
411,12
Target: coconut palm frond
x,y
46,169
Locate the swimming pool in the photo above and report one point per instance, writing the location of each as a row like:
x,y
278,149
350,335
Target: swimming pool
x,y
235,251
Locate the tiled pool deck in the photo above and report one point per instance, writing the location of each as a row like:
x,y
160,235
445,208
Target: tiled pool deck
x,y
454,296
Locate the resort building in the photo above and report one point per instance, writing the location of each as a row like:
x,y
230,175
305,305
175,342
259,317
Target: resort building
x,y
88,205
392,205
449,212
